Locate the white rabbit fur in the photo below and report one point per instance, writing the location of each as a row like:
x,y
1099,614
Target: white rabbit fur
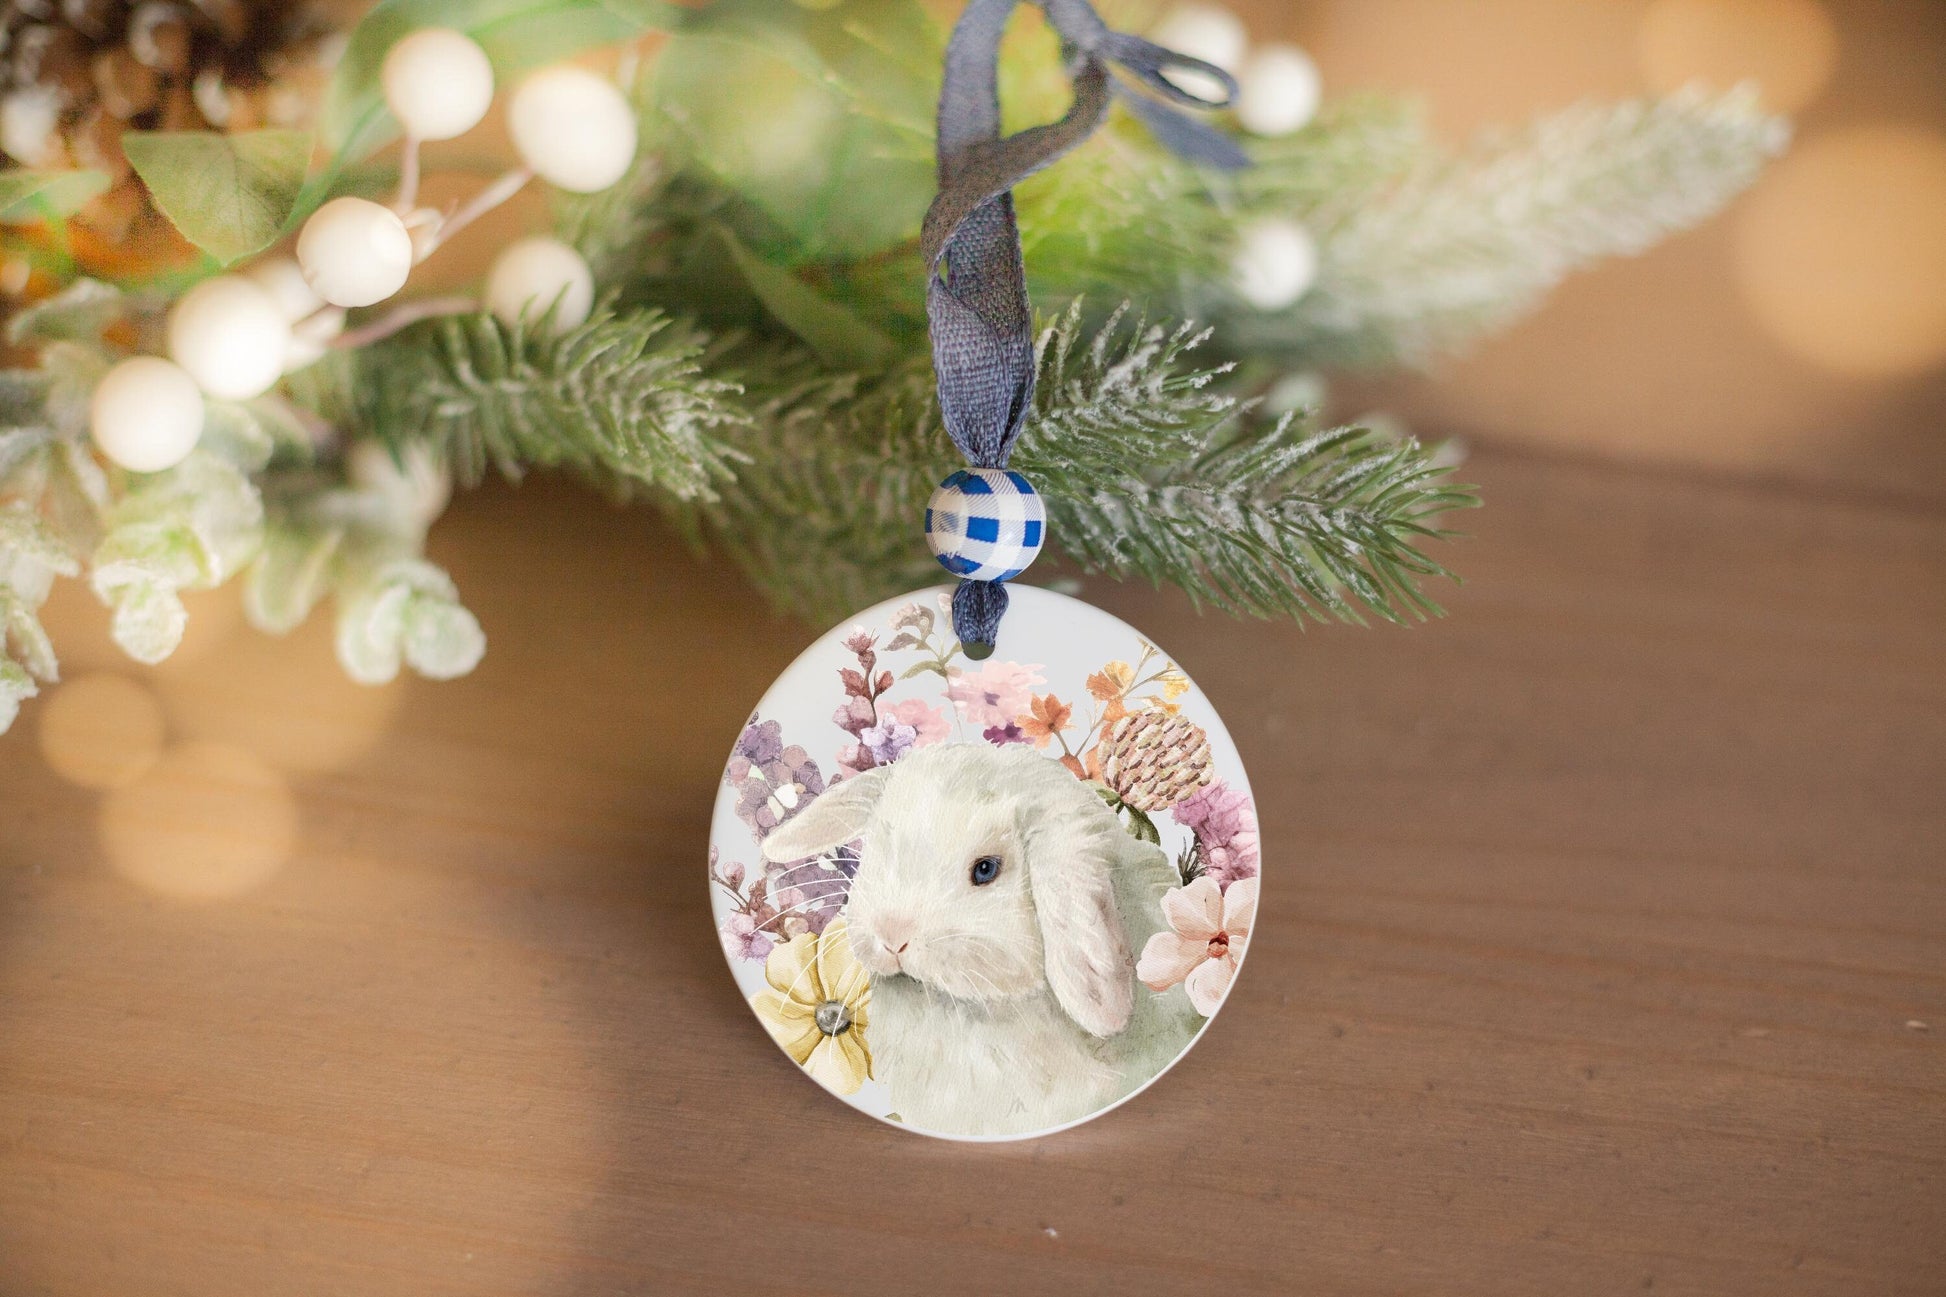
x,y
1011,1006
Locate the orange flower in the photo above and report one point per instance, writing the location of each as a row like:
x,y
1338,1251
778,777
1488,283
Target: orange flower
x,y
1112,681
1110,685
1048,717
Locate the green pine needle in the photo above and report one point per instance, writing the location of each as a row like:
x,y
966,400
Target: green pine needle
x,y
623,397
1147,467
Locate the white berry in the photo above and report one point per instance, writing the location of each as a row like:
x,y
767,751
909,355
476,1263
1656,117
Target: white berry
x,y
1280,90
354,252
438,83
416,485
536,273
573,128
230,336
146,414
283,279
1275,264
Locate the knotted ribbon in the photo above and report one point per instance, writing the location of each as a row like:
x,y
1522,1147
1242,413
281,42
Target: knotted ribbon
x,y
976,297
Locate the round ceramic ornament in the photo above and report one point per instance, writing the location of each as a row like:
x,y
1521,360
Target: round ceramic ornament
x,y
984,899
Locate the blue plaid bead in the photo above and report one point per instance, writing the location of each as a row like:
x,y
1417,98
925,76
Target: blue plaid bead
x,y
986,524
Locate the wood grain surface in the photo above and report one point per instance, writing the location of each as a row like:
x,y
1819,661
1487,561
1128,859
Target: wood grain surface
x,y
1602,950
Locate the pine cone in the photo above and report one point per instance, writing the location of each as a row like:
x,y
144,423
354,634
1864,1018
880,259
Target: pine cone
x,y
1152,759
75,74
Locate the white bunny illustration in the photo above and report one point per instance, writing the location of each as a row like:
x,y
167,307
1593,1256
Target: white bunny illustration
x,y
996,905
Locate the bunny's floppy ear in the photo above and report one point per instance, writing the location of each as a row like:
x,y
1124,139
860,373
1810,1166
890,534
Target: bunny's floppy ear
x,y
1070,872
836,816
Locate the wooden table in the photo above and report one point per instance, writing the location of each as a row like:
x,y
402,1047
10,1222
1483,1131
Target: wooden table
x,y
1603,950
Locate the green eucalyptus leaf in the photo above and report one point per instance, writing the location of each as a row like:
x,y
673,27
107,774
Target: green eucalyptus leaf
x,y
230,195
289,576
77,313
407,611
839,338
27,197
21,631
232,432
24,536
148,620
15,687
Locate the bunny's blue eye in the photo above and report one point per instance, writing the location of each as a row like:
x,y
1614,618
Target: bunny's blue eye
x,y
985,870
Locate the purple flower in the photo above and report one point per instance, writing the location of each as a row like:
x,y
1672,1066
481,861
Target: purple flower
x,y
810,894
772,781
1001,734
854,759
889,740
761,742
744,939
855,716
1225,825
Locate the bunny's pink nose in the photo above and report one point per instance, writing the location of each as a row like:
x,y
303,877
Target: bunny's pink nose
x,y
895,933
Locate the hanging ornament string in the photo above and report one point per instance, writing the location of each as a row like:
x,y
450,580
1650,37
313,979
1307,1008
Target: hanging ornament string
x,y
986,523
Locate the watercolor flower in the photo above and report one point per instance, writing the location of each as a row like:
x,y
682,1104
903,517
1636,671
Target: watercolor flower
x,y
816,1007
1001,735
930,724
1046,716
744,938
772,781
1208,930
995,694
887,741
1225,824
1109,686
914,624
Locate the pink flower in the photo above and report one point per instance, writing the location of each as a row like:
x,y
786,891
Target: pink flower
x,y
745,938
1225,825
1208,929
932,724
995,694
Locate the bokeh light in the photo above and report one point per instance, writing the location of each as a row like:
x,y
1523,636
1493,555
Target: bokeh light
x,y
101,731
208,821
1788,47
1841,252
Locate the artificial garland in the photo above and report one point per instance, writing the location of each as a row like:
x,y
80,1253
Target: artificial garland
x,y
728,320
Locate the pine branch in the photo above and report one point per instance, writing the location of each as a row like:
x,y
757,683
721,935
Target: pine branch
x,y
623,397
823,514
1278,524
1464,246
1148,468
1151,470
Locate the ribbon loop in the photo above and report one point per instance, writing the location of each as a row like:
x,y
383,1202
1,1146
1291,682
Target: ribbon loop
x,y
978,311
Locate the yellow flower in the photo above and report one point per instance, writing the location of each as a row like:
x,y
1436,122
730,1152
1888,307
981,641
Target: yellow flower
x,y
816,1006
1174,685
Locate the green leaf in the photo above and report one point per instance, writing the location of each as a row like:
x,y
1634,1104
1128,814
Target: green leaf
x,y
15,687
289,576
77,313
230,195
30,196
839,338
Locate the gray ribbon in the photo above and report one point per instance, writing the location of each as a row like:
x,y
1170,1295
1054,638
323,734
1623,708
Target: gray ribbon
x,y
982,323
